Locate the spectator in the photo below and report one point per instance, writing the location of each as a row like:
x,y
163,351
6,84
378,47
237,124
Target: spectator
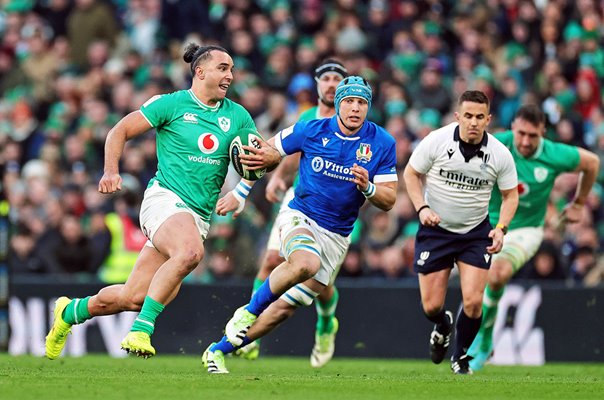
x,y
431,92
22,255
41,65
353,266
584,262
70,251
546,264
89,21
276,116
126,238
595,276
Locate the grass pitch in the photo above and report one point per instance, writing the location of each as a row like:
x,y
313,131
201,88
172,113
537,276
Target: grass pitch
x,y
182,377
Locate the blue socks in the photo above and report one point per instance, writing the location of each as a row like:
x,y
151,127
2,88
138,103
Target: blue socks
x,y
227,347
261,299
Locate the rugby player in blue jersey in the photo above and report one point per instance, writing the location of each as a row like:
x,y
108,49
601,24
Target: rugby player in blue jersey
x,y
327,76
344,161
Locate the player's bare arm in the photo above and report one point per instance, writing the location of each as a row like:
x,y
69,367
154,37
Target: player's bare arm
x,y
275,188
235,199
509,205
589,165
132,125
385,192
413,182
282,178
267,156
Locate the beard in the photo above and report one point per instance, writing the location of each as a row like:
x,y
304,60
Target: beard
x,y
328,103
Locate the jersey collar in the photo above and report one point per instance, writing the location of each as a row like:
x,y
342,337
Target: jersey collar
x,y
202,105
469,151
333,125
483,143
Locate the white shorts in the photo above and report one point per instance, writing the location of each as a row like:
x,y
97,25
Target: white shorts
x,y
520,245
273,240
332,246
158,205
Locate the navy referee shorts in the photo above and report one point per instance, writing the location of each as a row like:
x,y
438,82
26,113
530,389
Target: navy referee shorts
x,y
437,248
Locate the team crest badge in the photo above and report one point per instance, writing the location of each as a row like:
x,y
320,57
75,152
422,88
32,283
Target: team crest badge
x,y
540,174
364,152
225,123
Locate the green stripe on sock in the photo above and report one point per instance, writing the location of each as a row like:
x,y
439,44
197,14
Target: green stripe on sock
x,y
326,311
76,311
145,322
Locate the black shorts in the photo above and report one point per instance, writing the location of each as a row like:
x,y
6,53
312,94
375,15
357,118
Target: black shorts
x,y
437,248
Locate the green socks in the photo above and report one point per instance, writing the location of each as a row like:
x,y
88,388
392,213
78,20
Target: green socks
x,y
76,312
326,311
490,304
145,322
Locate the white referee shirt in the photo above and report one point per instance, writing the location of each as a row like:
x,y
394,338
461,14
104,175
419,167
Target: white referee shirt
x,y
459,191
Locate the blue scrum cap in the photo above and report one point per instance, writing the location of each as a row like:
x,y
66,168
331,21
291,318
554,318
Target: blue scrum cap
x,y
353,86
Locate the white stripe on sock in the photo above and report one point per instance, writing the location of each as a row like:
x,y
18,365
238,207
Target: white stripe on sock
x,y
75,311
145,322
326,313
489,301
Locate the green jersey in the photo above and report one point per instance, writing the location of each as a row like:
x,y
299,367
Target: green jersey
x,y
193,145
536,176
310,114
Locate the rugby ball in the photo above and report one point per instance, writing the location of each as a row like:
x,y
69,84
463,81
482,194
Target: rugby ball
x,y
245,137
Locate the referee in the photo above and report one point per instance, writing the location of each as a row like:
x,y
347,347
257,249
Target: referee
x,y
449,178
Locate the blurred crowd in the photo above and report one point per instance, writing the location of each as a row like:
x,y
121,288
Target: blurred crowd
x,y
70,69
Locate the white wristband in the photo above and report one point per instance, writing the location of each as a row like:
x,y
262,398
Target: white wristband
x,y
370,191
241,191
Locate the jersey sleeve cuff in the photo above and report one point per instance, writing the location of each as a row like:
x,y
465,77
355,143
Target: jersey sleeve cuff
x,y
279,145
509,188
385,178
145,117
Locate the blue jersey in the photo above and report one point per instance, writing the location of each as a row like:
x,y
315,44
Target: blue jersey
x,y
325,191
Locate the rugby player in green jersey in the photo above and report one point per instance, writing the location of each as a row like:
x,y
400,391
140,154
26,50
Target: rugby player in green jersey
x,y
538,161
194,129
327,76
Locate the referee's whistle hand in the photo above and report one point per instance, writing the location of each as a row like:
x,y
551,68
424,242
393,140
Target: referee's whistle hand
x,y
496,236
429,218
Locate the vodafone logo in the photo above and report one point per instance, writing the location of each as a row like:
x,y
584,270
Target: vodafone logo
x,y
523,189
208,143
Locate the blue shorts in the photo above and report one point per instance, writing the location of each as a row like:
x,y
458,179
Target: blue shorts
x,y
437,248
